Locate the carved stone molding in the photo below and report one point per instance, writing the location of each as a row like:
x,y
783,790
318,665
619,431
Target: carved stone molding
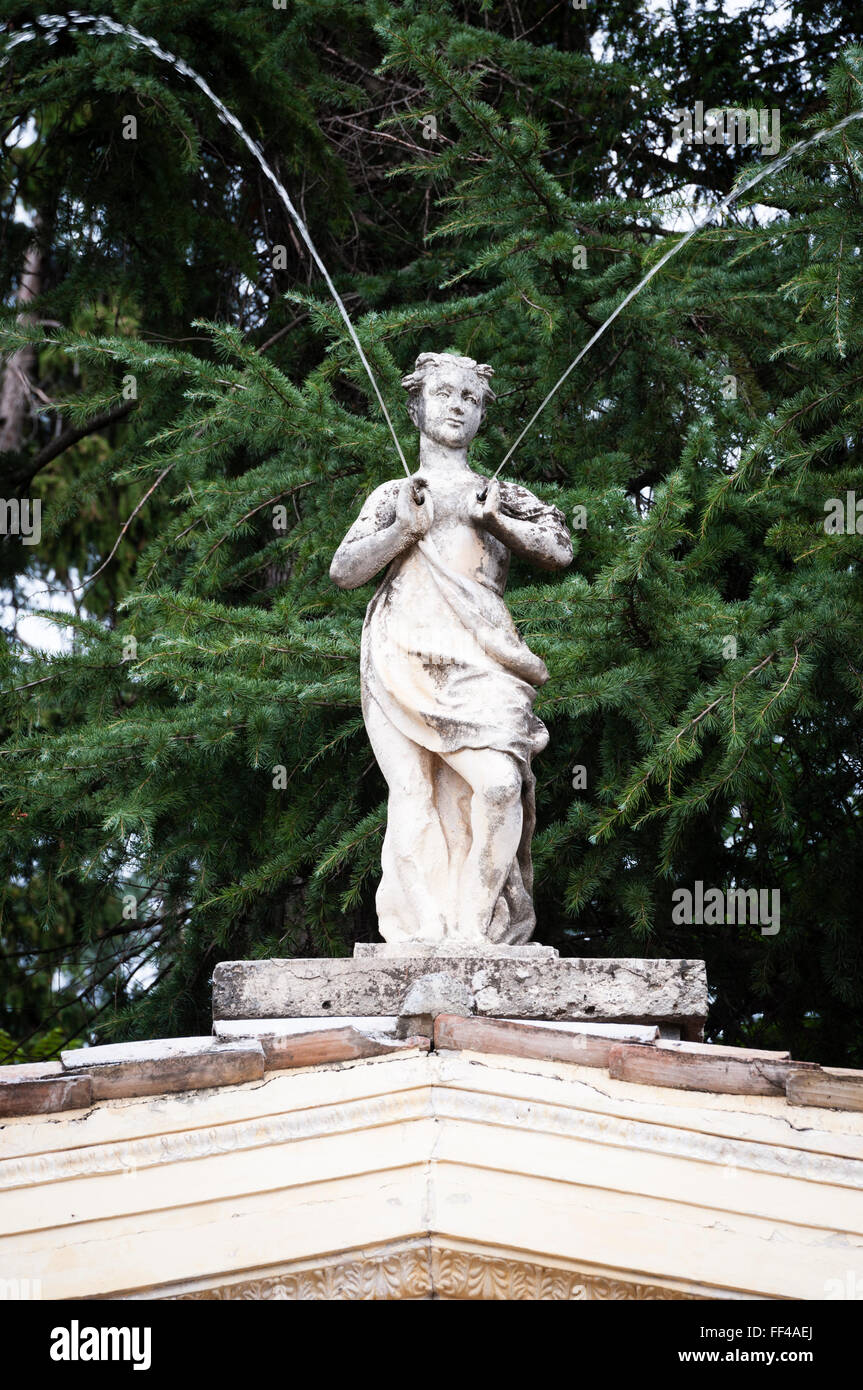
x,y
443,1101
420,1273
191,1144
405,1275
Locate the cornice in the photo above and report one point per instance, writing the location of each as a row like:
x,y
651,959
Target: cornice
x,y
440,1101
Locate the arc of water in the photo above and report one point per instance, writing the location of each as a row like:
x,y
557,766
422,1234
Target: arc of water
x,y
720,208
102,25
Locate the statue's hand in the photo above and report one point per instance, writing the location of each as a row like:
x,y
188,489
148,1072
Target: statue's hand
x,y
414,507
485,503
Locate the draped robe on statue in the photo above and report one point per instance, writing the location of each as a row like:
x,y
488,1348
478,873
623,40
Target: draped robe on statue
x,y
444,669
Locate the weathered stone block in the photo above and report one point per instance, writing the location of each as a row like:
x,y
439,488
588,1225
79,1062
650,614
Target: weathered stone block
x,y
581,990
430,996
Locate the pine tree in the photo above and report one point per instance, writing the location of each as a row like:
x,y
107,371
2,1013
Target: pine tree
x,y
200,750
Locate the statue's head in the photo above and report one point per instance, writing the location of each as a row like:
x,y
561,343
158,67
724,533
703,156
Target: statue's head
x,y
447,397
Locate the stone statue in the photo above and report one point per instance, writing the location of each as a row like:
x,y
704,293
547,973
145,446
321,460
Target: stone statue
x,y
448,684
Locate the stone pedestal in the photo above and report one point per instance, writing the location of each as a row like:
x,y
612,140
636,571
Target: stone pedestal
x,y
523,982
439,950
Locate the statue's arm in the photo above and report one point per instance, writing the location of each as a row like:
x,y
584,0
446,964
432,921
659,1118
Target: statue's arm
x,y
390,521
535,530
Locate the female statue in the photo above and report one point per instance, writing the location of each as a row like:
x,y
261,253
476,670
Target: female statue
x,y
448,684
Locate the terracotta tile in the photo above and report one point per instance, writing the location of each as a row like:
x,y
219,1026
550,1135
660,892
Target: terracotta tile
x,y
40,1097
454,1033
723,1071
330,1045
830,1089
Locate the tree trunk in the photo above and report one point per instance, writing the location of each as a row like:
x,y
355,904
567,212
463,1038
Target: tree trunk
x,y
15,387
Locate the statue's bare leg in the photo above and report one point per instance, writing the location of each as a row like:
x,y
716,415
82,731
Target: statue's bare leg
x,y
496,821
412,899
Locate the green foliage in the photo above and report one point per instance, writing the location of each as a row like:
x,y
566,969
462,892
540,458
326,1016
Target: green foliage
x,y
704,648
40,1049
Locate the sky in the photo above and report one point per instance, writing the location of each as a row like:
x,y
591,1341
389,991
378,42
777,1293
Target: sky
x,y
39,632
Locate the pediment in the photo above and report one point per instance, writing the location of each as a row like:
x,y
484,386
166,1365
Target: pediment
x,y
443,1175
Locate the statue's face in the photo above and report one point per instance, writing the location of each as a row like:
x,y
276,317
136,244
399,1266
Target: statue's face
x,y
449,407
